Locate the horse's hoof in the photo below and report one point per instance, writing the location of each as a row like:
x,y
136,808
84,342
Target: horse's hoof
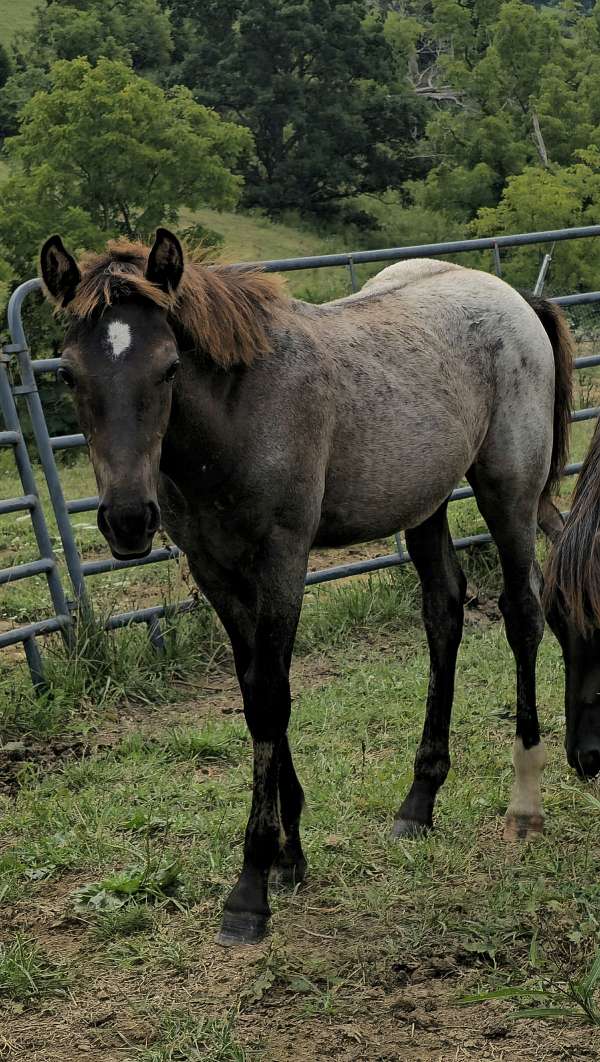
x,y
409,828
519,827
238,928
288,875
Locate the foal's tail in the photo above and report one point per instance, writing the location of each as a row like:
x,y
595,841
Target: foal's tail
x,y
573,569
561,337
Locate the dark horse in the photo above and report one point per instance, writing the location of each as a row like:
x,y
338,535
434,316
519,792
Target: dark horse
x,y
572,598
265,426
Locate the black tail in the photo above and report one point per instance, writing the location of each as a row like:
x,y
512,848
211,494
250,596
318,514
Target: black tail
x,y
561,337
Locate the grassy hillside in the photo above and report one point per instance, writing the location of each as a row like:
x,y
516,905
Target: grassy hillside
x,y
15,15
251,239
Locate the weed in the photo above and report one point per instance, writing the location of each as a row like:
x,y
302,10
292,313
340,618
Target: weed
x,y
152,883
122,921
556,998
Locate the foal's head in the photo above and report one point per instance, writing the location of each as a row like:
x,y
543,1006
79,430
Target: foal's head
x,y
120,358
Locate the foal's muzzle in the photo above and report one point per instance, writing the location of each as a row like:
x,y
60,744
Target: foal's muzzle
x,y
129,529
586,762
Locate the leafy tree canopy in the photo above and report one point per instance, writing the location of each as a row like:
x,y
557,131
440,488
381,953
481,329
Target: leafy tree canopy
x,y
316,82
514,87
137,32
539,199
105,151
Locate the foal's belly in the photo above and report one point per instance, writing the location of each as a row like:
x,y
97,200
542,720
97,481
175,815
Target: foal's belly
x,y
389,501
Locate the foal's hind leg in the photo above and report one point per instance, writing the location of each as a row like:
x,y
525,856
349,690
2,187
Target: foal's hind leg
x,y
444,585
511,515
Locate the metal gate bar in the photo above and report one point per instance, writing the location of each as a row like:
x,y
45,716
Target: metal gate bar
x,y
29,502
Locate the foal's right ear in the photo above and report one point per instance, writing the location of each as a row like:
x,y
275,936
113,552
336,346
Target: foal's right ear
x,y
60,271
165,261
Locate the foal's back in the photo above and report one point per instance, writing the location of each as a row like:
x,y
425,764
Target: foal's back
x,y
426,365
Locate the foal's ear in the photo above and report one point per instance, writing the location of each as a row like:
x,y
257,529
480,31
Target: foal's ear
x,y
165,261
60,271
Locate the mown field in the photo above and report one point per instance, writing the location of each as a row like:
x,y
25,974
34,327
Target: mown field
x,y
124,794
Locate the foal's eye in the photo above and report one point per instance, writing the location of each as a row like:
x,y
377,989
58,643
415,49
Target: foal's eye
x,y
66,376
170,373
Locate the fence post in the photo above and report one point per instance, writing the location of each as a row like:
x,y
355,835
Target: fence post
x,y
497,262
541,279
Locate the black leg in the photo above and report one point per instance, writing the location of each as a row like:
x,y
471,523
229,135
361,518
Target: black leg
x,y
523,619
290,865
280,572
444,585
511,518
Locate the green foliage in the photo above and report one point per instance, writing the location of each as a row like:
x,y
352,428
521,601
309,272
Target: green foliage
x,y
317,85
105,152
558,197
25,971
136,32
156,881
120,153
554,998
521,85
5,65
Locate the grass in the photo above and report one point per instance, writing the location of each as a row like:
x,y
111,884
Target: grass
x,y
26,972
134,847
574,999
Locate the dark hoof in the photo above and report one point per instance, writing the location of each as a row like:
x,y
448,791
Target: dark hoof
x,y
519,827
288,875
588,764
238,927
409,828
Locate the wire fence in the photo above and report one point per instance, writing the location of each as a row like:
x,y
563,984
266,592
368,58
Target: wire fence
x,y
19,373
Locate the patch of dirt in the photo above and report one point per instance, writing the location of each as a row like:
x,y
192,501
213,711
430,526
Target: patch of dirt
x,y
481,611
111,1015
329,558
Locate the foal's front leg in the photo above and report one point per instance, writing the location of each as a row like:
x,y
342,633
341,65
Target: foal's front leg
x,y
266,691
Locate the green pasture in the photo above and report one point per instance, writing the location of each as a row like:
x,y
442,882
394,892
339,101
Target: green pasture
x,y
124,799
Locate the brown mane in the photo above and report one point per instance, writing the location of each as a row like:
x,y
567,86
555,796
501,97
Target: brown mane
x,y
223,310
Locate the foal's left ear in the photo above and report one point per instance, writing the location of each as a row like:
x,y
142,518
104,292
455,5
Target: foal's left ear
x,y
165,261
60,271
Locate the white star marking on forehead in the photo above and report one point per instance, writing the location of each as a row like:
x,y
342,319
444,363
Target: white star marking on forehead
x,y
119,339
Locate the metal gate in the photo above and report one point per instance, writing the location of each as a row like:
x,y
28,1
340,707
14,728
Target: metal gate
x,y
16,361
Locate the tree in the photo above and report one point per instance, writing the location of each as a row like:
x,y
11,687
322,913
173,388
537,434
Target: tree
x,y
550,198
516,87
315,82
5,65
137,32
105,151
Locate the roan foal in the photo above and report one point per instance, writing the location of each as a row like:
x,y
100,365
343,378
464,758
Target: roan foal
x,y
255,427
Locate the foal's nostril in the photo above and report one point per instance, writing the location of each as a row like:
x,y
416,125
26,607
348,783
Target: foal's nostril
x,y
588,762
153,518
